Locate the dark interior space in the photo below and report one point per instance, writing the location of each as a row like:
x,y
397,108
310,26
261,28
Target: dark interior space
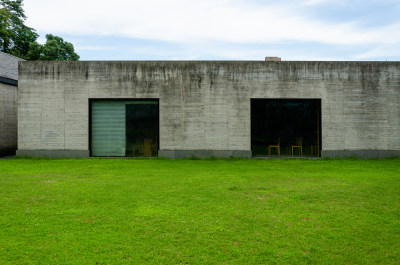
x,y
142,126
286,127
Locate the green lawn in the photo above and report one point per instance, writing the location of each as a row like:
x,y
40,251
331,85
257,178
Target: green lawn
x,y
122,211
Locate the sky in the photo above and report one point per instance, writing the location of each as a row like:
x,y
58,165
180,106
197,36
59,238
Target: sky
x,y
303,30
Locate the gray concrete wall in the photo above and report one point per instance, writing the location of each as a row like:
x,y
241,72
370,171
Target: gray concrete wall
x,y
8,119
205,105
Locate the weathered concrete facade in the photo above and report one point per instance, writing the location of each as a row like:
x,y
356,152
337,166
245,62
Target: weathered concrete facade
x,y
8,103
205,105
8,119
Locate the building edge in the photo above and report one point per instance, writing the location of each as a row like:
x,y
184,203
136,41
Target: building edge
x,y
174,154
205,153
55,153
364,154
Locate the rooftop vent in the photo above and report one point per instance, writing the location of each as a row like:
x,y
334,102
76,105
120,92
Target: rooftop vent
x,y
273,59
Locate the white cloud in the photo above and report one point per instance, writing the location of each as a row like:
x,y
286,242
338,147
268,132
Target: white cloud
x,y
41,40
94,48
316,2
190,21
384,51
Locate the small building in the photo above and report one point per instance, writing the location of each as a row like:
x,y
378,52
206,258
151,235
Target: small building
x,y
209,108
8,103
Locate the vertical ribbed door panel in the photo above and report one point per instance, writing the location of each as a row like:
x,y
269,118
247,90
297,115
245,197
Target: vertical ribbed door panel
x,y
108,128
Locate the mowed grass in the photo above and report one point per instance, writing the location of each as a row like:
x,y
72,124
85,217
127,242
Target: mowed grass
x,y
122,211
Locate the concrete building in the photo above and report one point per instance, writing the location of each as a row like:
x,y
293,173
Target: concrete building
x,y
209,108
8,103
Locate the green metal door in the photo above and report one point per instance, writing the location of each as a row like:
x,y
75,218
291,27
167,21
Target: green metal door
x,y
108,128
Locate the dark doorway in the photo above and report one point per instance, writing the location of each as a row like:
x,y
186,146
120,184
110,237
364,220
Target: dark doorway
x,y
286,127
124,128
142,129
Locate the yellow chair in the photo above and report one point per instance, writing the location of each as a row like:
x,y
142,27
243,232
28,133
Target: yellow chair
x,y
314,150
298,145
147,147
277,146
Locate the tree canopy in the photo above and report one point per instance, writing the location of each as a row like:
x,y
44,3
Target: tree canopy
x,y
20,40
55,49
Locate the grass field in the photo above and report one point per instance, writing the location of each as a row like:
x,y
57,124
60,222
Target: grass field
x,y
121,211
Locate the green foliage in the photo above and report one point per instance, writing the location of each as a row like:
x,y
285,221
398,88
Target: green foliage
x,y
55,49
19,40
58,49
34,53
15,36
128,211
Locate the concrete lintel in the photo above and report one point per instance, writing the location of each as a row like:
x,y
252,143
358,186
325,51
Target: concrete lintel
x,y
204,153
55,153
365,154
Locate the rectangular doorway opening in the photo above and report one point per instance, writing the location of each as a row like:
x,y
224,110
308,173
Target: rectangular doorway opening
x,y
286,127
124,128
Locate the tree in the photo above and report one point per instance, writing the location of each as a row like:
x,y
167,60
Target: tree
x,y
15,36
20,40
55,49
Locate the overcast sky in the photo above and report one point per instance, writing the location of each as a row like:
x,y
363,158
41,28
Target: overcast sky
x,y
222,29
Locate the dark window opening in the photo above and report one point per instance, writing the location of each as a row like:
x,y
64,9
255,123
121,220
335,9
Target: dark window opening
x,y
286,127
124,128
141,129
